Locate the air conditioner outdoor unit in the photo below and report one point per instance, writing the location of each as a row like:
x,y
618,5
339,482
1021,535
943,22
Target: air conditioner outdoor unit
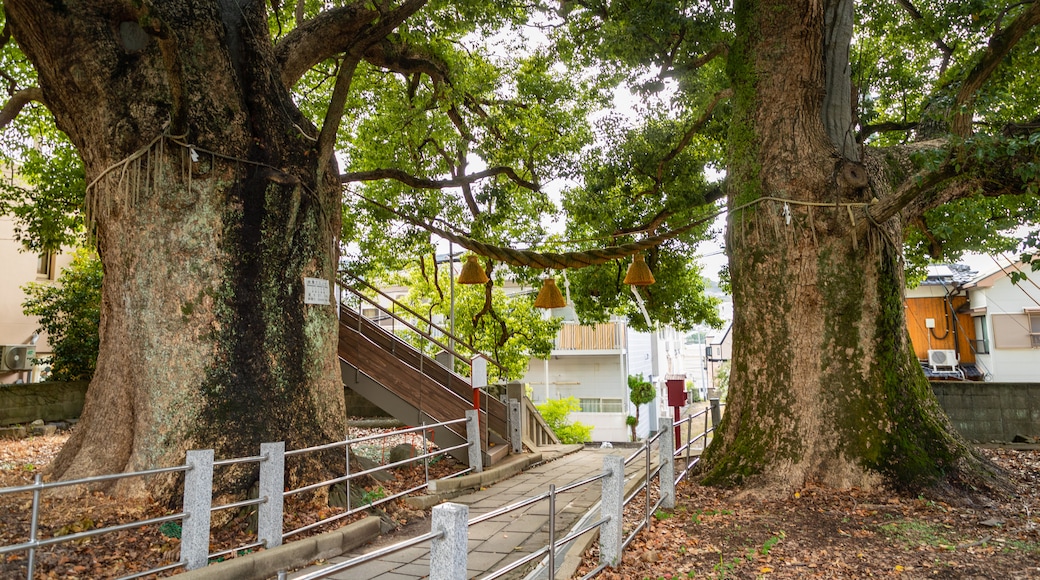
x,y
942,358
17,357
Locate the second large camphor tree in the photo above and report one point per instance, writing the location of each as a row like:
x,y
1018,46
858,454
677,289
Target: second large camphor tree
x,y
846,130
825,387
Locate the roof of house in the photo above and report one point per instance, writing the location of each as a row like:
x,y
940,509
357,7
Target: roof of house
x,y
997,272
948,275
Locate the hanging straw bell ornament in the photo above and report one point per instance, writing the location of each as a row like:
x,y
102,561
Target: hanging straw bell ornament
x,y
639,273
472,272
549,296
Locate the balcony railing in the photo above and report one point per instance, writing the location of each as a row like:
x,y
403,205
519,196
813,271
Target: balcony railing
x,y
606,336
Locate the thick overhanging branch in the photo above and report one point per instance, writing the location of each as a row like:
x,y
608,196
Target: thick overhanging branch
x,y
425,183
337,31
969,168
909,192
395,55
334,114
868,130
17,102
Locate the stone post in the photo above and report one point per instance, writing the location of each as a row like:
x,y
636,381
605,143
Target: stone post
x,y
448,552
198,499
611,506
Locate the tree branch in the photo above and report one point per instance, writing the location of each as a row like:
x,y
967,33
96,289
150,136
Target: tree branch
x,y
334,114
694,129
945,49
1000,44
337,31
721,49
395,55
868,130
14,105
424,183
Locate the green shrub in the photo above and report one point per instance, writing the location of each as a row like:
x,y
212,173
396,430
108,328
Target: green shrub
x,y
70,313
556,411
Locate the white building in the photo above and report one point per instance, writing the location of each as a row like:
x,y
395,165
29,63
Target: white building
x,y
592,364
1006,317
18,331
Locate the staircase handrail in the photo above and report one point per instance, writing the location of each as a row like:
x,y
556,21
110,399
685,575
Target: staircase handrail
x,y
537,429
468,361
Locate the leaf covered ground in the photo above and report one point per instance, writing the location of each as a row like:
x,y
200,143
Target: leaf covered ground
x,y
116,554
817,533
711,534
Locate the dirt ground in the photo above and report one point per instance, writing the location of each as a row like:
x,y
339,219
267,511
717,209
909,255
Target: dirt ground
x,y
711,534
819,533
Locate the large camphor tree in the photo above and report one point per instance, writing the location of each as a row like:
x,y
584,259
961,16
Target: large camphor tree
x,y
210,133
845,129
211,197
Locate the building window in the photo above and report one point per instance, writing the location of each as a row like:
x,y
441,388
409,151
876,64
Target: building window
x,y
981,343
1034,327
45,266
370,313
601,406
1013,330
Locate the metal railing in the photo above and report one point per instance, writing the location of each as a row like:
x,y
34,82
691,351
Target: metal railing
x,y
197,505
712,412
449,531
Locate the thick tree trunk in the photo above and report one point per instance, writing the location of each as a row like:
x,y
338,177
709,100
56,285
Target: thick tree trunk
x,y
824,388
209,212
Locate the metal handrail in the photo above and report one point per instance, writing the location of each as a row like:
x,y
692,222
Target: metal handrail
x,y
454,338
93,479
409,325
651,472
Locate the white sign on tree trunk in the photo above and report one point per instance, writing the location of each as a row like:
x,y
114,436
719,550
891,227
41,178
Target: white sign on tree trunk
x,y
316,291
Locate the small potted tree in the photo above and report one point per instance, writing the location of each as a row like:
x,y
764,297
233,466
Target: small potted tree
x,y
640,392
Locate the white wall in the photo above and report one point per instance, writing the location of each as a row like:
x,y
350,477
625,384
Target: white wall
x,y
583,376
1003,297
18,268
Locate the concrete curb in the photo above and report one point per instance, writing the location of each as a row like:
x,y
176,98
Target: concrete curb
x,y
266,563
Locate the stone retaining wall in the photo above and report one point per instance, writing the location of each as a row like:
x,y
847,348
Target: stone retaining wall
x,y
987,412
25,403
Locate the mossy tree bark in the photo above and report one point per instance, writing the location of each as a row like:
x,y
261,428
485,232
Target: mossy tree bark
x,y
210,206
824,387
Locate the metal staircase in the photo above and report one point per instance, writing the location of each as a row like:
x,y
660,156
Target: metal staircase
x,y
399,378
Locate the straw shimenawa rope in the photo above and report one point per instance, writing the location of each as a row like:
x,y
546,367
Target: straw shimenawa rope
x,y
549,260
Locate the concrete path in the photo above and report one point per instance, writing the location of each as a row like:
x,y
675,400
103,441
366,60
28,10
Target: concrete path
x,y
507,538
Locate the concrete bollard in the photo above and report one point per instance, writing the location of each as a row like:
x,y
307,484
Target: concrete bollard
x,y
448,553
272,486
666,448
473,437
716,413
515,427
612,506
198,499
